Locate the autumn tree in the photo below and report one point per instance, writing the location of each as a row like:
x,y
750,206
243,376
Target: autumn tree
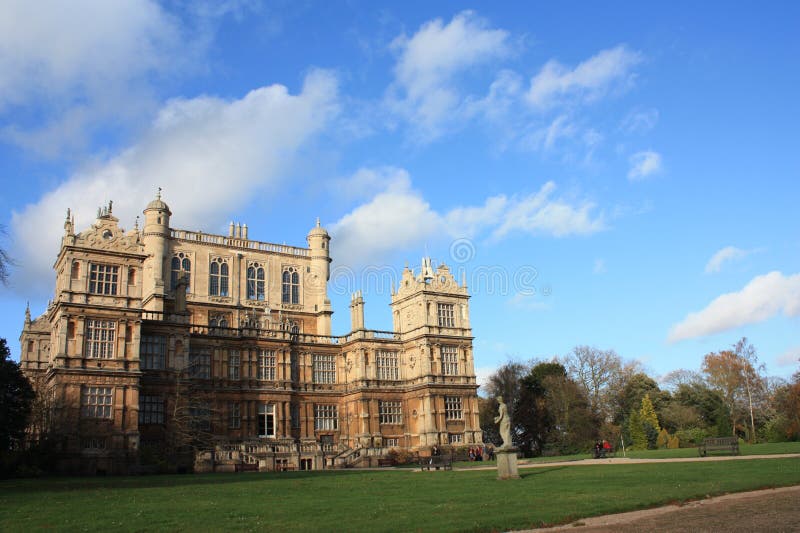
x,y
732,372
649,421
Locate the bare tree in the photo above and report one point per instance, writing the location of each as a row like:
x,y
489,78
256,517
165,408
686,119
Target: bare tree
x,y
5,261
751,376
595,371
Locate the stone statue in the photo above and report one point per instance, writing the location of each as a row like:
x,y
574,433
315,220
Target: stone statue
x,y
505,423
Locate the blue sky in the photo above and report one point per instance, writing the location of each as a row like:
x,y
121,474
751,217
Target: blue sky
x,y
624,177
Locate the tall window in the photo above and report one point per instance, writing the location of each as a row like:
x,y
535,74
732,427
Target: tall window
x,y
450,360
234,364
103,279
255,282
324,368
234,415
100,335
151,409
266,420
200,416
96,402
455,438
452,408
446,315
218,277
326,417
290,290
181,266
266,365
387,365
200,363
152,352
390,412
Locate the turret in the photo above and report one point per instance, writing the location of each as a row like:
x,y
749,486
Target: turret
x,y
155,235
319,247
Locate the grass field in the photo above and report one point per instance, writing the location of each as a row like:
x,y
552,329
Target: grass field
x,y
388,500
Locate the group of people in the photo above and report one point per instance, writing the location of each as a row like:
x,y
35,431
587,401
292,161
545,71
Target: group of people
x,y
601,448
476,453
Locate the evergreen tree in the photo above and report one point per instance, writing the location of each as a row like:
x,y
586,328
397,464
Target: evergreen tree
x,y
649,421
16,396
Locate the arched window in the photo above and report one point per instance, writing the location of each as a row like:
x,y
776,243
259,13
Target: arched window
x,y
218,277
181,267
255,282
290,290
76,270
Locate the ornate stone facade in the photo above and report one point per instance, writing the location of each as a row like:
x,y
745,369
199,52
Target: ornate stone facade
x,y
162,339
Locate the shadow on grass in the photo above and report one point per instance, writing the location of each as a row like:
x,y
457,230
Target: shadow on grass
x,y
67,484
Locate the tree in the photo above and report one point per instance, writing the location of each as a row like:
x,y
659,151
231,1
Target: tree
x,y
505,382
595,370
751,378
5,261
16,395
649,421
733,373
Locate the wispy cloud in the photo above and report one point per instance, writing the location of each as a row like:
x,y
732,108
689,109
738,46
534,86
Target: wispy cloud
x,y
729,253
208,154
400,217
640,121
644,164
762,298
588,81
424,92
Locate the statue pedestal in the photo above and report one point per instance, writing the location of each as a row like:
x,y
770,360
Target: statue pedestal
x,y
507,463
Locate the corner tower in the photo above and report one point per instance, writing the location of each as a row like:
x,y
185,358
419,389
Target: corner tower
x,y
319,245
155,235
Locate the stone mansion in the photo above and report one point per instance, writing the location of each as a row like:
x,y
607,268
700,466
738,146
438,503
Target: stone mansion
x,y
174,344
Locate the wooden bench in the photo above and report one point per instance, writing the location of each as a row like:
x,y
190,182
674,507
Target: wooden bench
x,y
444,462
603,453
726,444
385,461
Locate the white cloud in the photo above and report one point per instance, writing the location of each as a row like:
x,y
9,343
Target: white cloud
x,y
764,297
83,62
589,81
790,357
729,253
538,214
208,154
424,92
640,121
399,218
644,164
394,219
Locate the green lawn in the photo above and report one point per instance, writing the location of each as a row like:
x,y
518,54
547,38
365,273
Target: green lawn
x,y
387,500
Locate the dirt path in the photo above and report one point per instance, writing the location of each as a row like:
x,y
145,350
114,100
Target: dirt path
x,y
773,510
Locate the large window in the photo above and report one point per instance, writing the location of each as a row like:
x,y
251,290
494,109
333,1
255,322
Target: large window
x,y
446,315
218,277
200,416
152,352
200,363
455,438
96,402
266,365
387,365
255,282
266,420
290,289
151,409
100,337
234,415
103,279
234,364
324,368
390,412
450,360
181,267
326,417
452,408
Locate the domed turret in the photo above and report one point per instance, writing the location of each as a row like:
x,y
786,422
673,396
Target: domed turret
x,y
155,235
